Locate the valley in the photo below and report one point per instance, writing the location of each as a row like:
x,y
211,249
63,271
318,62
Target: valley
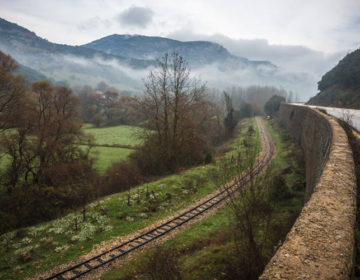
x,y
179,141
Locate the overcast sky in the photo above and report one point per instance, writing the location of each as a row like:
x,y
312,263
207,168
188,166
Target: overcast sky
x,y
290,33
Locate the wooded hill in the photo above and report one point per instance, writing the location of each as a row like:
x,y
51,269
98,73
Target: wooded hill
x,y
340,87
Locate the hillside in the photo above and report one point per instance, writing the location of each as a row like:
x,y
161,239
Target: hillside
x,y
147,47
73,64
123,61
18,40
340,87
30,74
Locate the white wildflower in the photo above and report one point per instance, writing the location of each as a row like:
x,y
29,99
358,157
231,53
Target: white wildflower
x,y
108,228
129,219
26,240
143,215
61,248
162,186
46,239
75,238
86,232
23,250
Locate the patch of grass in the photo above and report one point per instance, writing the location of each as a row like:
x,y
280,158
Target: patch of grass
x,y
115,135
107,156
112,144
105,220
123,136
206,250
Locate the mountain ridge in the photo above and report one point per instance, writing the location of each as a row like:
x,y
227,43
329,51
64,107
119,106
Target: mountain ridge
x,y
18,36
153,47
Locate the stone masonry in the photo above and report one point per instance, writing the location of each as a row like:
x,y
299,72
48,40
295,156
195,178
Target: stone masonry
x,y
320,244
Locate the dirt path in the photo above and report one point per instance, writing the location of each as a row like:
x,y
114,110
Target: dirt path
x,y
266,147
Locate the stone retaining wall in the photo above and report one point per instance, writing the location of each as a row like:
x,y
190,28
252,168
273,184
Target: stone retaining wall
x,y
320,245
314,134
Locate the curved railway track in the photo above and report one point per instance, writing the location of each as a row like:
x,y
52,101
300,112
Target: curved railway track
x,y
86,266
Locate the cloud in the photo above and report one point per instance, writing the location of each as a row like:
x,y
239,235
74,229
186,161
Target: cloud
x,y
303,85
136,16
327,25
296,59
94,23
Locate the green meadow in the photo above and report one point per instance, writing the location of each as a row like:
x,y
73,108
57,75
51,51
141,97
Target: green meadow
x,y
106,156
122,135
112,144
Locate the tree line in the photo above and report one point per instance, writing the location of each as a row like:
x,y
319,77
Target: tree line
x,y
44,170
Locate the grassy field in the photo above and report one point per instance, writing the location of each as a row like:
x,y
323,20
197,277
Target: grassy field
x,y
113,144
106,156
122,135
31,250
206,250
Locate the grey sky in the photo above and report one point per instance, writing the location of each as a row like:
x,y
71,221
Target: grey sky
x,y
324,25
300,35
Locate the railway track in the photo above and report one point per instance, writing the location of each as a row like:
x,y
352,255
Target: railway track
x,y
91,264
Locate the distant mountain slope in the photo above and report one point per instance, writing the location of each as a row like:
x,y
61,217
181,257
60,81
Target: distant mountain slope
x,y
123,61
73,64
340,87
199,53
30,74
18,39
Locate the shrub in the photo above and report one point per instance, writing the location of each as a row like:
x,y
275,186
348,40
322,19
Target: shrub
x,y
279,190
162,265
208,158
122,176
154,158
35,204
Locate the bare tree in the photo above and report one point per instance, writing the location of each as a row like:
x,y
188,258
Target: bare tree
x,y
251,211
229,120
171,98
45,138
12,90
